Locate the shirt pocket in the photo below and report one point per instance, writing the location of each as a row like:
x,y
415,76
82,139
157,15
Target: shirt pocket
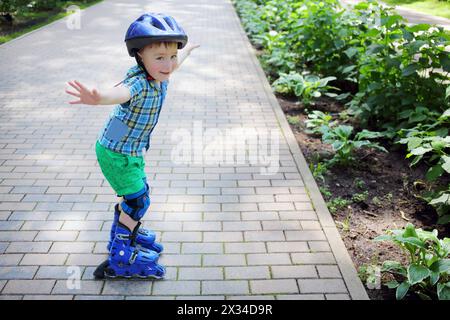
x,y
116,130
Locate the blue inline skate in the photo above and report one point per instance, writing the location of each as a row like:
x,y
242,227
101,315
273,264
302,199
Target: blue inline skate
x,y
128,261
145,239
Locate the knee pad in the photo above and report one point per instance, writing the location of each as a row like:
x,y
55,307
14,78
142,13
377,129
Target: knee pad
x,y
136,204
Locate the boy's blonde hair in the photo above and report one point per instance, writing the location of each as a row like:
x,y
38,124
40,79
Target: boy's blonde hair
x,y
167,44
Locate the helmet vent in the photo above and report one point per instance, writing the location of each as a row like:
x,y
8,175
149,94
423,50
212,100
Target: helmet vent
x,y
157,24
169,22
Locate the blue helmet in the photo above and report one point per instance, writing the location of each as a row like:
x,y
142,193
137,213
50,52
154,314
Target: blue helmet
x,y
153,27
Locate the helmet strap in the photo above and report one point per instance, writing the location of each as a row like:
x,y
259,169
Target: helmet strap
x,y
140,63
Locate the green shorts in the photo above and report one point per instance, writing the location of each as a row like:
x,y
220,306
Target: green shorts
x,y
124,173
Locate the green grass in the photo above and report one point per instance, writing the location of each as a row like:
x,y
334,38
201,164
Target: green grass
x,y
49,15
433,7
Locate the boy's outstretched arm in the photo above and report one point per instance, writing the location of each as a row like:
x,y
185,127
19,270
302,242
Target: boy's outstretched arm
x,y
185,53
116,95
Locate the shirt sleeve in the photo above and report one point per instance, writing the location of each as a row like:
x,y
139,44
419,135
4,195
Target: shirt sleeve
x,y
136,88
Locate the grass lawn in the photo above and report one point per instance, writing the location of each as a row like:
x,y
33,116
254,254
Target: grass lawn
x,y
434,7
27,21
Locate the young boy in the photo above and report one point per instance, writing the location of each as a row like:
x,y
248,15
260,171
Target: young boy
x,y
153,39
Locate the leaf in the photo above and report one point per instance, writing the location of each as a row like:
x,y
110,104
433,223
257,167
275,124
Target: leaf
x,y
409,70
393,266
348,69
350,52
417,273
316,94
427,235
446,112
416,160
417,117
324,81
374,48
392,284
390,20
423,296
415,45
366,134
443,291
383,237
392,63
359,144
344,131
343,96
438,143
434,278
446,165
377,147
447,93
440,266
444,199
402,290
405,114
434,172
414,142
410,231
420,151
419,27
337,145
411,241
444,219
445,62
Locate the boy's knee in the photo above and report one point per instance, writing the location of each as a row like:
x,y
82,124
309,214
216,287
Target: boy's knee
x,y
135,205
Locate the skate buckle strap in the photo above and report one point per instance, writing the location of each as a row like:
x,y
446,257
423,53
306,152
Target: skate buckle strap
x,y
134,234
133,243
133,256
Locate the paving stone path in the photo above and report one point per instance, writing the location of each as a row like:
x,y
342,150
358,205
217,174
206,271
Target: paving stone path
x,y
230,230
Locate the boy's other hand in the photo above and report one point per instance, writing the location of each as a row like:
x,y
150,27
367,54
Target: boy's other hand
x,y
84,95
191,47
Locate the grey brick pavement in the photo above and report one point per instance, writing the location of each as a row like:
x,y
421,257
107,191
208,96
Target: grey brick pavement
x,y
230,232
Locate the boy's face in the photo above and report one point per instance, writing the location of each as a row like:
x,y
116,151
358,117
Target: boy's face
x,y
160,61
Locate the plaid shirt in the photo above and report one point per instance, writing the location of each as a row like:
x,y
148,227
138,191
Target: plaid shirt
x,y
130,124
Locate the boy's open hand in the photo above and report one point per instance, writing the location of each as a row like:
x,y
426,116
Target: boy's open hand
x,y
84,95
191,47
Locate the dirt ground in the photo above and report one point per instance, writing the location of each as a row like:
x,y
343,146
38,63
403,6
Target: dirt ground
x,y
390,201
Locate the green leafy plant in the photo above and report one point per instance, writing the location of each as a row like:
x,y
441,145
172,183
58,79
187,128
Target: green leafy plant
x,y
307,87
325,191
427,272
294,120
337,203
439,198
359,183
360,197
317,119
394,76
344,145
369,274
400,68
431,144
318,170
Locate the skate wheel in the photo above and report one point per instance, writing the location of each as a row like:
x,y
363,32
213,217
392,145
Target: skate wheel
x,y
100,272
